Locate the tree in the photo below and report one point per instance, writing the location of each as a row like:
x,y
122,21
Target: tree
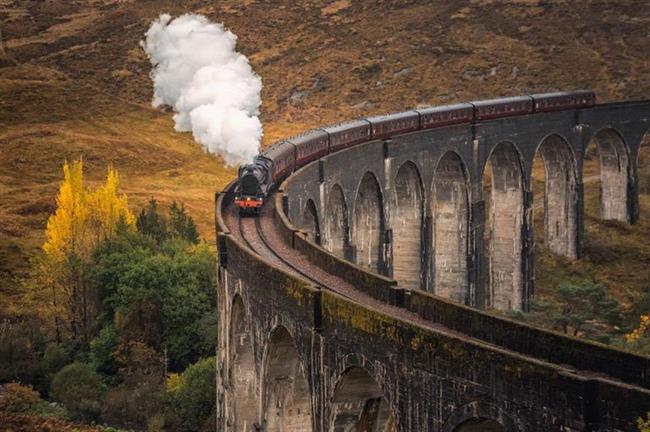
x,y
83,218
150,222
109,209
581,309
181,224
193,398
79,389
138,400
161,296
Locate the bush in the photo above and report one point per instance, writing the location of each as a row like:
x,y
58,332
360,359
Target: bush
x,y
138,401
16,398
134,406
78,387
54,359
101,351
194,398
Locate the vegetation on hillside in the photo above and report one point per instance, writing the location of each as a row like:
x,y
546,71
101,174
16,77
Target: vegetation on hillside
x,y
113,308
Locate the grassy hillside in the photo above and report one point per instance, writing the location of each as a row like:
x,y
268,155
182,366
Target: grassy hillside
x,y
74,82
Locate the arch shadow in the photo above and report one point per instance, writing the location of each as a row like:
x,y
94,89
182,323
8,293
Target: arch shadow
x,y
479,416
406,223
358,404
505,213
310,222
614,173
368,224
242,376
336,229
286,397
560,196
450,212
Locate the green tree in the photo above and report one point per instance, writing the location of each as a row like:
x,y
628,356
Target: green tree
x,y
55,358
150,222
102,349
580,310
181,224
78,388
160,296
193,398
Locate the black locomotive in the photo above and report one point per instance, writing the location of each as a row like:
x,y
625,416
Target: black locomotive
x,y
269,168
253,185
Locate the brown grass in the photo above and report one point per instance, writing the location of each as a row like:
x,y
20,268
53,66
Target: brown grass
x,y
75,84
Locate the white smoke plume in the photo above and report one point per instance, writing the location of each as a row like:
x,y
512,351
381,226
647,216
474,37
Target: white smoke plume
x,y
211,87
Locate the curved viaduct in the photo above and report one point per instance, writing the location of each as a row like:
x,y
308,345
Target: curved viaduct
x,y
352,303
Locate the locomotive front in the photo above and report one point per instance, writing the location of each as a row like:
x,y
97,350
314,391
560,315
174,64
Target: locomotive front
x,y
252,187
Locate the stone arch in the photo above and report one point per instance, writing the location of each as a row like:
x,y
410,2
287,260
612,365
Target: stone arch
x,y
336,228
286,403
368,224
560,196
450,210
242,369
503,174
310,221
480,425
613,157
479,416
358,404
406,223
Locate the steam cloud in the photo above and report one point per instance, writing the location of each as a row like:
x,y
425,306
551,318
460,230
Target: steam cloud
x,y
211,87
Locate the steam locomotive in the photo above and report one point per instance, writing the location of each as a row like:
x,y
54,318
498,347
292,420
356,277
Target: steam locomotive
x,y
273,165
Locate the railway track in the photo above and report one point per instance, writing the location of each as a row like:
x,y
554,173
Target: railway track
x,y
252,232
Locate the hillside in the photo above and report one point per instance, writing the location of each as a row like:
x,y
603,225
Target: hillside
x,y
74,82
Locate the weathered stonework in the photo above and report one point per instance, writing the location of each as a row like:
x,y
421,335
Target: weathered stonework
x,y
294,356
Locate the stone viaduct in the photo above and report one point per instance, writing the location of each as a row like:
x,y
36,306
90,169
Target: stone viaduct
x,y
353,302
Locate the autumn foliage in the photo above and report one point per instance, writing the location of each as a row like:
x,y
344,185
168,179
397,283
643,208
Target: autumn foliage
x,y
83,218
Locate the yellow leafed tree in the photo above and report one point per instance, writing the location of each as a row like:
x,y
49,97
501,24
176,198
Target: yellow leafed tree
x,y
637,333
82,219
66,229
108,207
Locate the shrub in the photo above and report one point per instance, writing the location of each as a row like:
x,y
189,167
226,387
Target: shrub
x,y
54,359
134,406
138,401
194,398
78,387
17,398
102,348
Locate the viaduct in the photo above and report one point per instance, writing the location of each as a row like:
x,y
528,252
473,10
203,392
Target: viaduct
x,y
354,302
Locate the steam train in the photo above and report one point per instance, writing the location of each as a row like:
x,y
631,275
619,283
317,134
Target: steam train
x,y
274,164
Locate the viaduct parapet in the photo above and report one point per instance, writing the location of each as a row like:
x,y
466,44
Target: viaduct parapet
x,y
353,301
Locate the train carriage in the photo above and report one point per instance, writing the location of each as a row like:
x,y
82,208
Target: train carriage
x,y
446,115
310,146
383,126
500,108
283,157
560,101
348,134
